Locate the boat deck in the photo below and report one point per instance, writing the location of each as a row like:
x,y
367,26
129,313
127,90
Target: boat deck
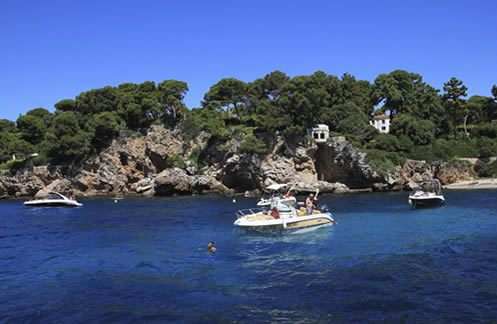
x,y
267,215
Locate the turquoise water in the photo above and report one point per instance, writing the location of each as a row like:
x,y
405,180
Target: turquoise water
x,y
146,260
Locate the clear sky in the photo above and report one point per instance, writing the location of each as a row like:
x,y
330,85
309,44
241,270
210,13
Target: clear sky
x,y
53,50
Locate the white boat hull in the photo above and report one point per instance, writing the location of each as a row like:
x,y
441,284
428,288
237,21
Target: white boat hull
x,y
264,223
434,200
53,199
53,203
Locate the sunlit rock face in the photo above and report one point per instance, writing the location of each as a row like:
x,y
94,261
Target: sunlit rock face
x,y
140,164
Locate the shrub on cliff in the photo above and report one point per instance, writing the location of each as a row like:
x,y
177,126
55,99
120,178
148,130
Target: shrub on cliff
x,y
252,144
384,162
486,170
175,161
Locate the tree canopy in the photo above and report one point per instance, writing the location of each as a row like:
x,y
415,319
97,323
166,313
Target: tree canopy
x,y
423,120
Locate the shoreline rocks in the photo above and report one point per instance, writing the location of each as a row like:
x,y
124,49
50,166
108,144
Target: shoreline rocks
x,y
158,163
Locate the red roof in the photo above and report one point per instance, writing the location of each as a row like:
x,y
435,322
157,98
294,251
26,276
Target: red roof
x,y
381,117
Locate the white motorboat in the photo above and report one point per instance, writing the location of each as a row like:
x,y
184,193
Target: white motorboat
x,y
275,192
282,215
429,193
53,199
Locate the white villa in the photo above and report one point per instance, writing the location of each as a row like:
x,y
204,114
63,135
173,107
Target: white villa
x,y
381,123
320,133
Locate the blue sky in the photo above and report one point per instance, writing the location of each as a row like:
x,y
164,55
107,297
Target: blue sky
x,y
53,50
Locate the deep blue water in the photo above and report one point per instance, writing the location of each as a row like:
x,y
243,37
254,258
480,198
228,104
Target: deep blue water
x,y
145,260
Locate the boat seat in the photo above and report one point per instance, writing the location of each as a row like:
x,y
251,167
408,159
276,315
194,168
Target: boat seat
x,y
303,212
259,216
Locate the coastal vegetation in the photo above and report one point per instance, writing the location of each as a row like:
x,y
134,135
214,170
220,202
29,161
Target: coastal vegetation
x,y
426,123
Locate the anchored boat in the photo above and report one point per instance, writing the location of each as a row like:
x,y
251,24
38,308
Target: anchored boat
x,y
283,214
429,193
53,199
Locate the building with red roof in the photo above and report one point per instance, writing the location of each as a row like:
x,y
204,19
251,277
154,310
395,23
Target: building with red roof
x,y
381,123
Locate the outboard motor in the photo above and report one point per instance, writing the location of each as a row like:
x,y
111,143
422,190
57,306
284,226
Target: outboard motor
x,y
325,210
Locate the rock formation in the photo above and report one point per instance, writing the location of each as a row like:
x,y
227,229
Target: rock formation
x,y
159,162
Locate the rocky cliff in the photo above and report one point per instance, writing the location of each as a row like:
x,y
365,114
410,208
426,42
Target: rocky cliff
x,y
159,162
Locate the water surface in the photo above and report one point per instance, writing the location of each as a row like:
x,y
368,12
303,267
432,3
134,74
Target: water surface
x,y
146,260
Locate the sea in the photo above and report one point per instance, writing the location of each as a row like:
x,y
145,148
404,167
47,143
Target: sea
x,y
145,260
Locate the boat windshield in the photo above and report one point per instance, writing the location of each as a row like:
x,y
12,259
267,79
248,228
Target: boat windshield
x,y
433,186
283,205
54,195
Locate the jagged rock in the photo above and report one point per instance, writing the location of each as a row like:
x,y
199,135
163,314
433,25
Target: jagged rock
x,y
278,171
339,161
144,187
59,185
242,172
176,181
162,143
197,143
131,165
204,184
455,172
172,181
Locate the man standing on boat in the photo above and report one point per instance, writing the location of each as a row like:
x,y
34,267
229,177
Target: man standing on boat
x,y
309,203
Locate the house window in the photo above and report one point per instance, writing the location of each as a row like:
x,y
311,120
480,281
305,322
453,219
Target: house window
x,y
383,128
316,135
322,135
383,121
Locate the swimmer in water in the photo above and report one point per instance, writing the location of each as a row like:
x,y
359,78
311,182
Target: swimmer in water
x,y
211,247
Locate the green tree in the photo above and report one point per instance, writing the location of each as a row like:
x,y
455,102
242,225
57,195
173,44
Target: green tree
x,y
308,98
42,114
104,127
6,138
171,94
345,118
98,100
7,126
454,90
263,102
139,104
251,144
32,129
269,87
357,93
20,148
420,131
66,105
485,130
228,94
402,92
66,141
396,90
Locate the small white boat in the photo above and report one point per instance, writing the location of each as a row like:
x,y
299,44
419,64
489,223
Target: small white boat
x,y
282,215
275,193
53,199
428,194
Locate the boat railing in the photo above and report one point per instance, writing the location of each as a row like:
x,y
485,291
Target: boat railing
x,y
250,211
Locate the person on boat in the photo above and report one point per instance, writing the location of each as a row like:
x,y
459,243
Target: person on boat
x,y
309,204
211,247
